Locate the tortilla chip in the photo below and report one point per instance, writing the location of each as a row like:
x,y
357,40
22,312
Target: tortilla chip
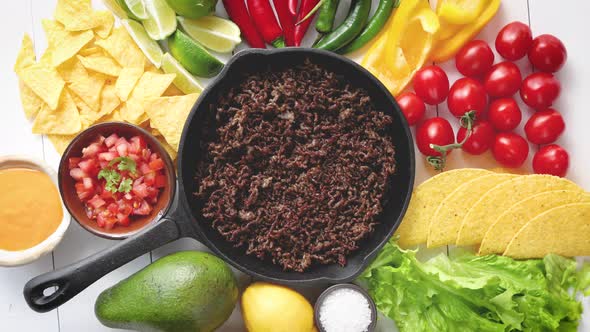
x,y
65,120
87,115
101,64
171,152
500,234
114,116
109,100
448,217
91,49
26,54
75,15
425,200
61,142
126,81
173,91
30,101
562,230
88,87
149,86
168,115
105,21
497,200
64,44
121,46
45,82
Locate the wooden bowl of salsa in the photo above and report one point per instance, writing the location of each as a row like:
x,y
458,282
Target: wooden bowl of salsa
x,y
116,179
33,219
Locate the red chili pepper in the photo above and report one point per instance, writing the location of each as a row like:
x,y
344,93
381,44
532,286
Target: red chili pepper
x,y
237,12
301,29
287,21
266,22
293,4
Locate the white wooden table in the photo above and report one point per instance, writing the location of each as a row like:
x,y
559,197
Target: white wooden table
x,y
567,19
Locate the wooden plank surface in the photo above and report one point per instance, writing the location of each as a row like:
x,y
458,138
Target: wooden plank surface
x,y
567,20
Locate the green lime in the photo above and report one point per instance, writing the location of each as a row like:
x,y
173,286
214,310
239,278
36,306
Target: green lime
x,y
150,47
115,7
137,8
215,33
186,82
193,8
161,21
193,56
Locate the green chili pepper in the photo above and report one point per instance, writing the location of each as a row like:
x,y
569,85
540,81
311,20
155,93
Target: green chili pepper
x,y
375,25
349,29
325,21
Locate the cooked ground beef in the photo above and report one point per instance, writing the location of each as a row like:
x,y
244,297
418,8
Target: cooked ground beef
x,y
297,166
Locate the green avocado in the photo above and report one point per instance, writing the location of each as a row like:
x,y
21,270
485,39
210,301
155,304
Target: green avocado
x,y
185,291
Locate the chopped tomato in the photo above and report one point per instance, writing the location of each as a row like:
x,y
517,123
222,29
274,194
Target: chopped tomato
x,y
122,160
110,141
77,174
96,202
157,164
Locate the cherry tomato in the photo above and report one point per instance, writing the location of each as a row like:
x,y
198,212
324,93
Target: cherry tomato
x,y
482,137
544,127
503,80
474,59
539,90
466,95
547,53
412,107
551,159
514,41
510,149
431,85
504,114
436,131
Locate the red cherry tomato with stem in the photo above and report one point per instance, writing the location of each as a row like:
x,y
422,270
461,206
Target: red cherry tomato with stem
x,y
431,84
466,95
551,159
539,90
510,149
544,127
437,131
514,41
547,53
503,80
504,114
474,59
481,138
412,106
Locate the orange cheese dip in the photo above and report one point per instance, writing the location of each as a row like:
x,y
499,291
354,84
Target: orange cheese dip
x,y
30,208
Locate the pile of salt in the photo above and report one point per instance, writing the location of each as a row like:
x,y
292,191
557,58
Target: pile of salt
x,y
345,310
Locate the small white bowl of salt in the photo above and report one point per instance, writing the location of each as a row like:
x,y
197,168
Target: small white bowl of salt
x,y
345,308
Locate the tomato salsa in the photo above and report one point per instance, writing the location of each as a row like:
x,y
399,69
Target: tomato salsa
x,y
117,179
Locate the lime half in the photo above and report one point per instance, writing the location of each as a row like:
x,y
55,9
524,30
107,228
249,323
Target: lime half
x,y
193,56
137,8
193,8
161,21
115,8
184,81
150,47
215,33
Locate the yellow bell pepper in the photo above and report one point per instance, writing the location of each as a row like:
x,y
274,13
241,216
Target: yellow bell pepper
x,y
451,38
459,11
403,45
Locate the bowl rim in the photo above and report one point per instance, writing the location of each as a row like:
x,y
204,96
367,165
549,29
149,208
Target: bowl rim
x,y
156,218
22,257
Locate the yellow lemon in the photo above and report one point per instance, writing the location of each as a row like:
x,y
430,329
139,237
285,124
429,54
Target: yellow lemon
x,y
273,308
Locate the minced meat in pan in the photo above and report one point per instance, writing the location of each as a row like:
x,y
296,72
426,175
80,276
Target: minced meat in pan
x,y
297,166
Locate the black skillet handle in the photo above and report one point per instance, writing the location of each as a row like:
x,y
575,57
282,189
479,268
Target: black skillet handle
x,y
76,277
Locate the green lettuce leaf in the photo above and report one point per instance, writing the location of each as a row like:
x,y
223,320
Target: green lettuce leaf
x,y
475,293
